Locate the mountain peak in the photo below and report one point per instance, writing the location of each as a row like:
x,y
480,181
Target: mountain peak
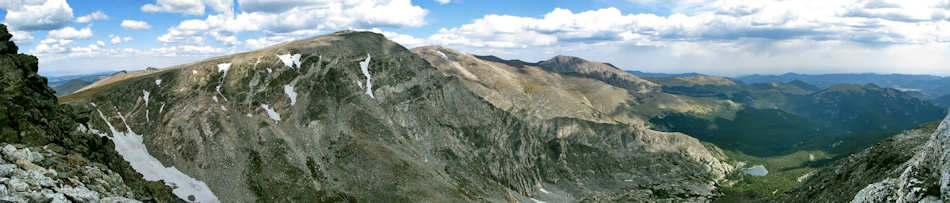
x,y
605,72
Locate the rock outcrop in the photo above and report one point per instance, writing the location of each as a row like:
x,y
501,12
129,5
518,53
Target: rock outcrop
x,y
913,166
51,157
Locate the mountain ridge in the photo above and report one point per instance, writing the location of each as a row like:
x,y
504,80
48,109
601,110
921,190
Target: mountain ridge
x,y
352,110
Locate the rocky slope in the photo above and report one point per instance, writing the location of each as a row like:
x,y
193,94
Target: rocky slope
x,y
530,90
913,166
52,157
865,108
353,116
601,71
69,87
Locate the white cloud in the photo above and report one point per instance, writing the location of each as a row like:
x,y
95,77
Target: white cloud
x,y
33,15
117,39
70,33
443,1
22,37
189,7
50,46
403,39
296,17
267,41
98,15
135,25
728,37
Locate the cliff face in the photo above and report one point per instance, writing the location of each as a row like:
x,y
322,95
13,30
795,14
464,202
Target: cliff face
x,y
910,167
353,116
63,157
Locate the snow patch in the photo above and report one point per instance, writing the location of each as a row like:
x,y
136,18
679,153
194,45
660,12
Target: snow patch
x,y
290,60
131,147
215,98
442,55
161,109
249,115
224,67
544,191
194,72
158,82
290,93
364,67
145,93
271,113
536,200
218,89
358,83
223,109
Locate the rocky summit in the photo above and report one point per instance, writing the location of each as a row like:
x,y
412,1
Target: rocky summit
x,y
48,155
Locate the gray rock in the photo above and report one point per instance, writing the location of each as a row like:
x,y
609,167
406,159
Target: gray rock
x,y
36,196
36,157
29,166
17,185
58,198
8,150
38,179
118,200
79,194
13,198
16,155
6,170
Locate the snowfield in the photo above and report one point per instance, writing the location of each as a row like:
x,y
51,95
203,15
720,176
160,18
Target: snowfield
x,y
131,147
364,67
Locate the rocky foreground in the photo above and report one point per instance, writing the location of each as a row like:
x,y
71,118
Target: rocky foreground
x,y
913,166
49,156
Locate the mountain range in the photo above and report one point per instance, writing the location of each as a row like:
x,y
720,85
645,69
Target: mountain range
x,y
353,116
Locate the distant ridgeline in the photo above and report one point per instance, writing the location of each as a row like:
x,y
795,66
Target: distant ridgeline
x,y
793,114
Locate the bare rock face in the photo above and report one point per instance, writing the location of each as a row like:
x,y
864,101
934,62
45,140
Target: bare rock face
x,y
353,116
50,157
909,167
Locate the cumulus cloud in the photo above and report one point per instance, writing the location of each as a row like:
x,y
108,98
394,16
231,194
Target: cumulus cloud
x,y
51,46
33,15
262,42
868,22
98,15
70,33
114,39
188,7
135,25
726,37
296,17
22,37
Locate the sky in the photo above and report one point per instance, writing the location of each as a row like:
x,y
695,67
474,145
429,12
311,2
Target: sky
x,y
717,37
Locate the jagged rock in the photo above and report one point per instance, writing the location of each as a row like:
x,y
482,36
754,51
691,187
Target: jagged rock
x,y
17,185
118,200
6,46
37,133
909,167
79,194
7,170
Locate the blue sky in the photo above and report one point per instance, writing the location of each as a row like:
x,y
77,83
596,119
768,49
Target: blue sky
x,y
721,37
